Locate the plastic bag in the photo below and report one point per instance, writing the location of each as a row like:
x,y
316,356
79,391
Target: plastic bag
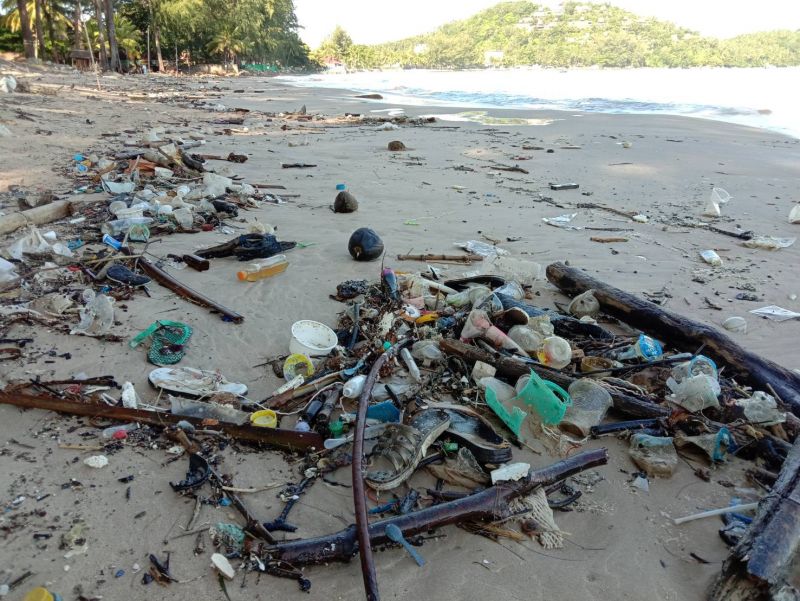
x,y
695,393
562,221
584,304
762,409
8,275
480,248
97,316
769,242
36,243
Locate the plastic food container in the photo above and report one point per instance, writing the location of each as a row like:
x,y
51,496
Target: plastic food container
x,y
312,338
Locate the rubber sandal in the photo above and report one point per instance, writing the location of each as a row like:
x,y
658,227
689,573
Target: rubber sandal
x,y
122,275
471,430
188,381
401,447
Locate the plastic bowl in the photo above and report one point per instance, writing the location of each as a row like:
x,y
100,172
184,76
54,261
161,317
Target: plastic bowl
x,y
312,338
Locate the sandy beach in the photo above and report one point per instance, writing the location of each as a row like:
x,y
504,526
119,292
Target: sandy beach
x,y
443,189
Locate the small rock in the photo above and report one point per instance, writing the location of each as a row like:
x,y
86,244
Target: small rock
x,y
735,324
96,461
396,146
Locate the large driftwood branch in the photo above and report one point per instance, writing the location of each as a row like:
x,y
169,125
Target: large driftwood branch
x,y
286,439
681,333
512,368
490,504
764,565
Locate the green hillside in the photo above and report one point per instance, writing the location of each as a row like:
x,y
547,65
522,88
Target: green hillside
x,y
576,35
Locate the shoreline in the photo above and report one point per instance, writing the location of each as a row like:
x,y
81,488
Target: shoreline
x,y
583,90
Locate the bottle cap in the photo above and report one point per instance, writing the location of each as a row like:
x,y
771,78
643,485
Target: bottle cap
x,y
649,348
340,187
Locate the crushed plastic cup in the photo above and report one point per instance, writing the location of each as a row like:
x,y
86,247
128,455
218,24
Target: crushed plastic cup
x,y
695,393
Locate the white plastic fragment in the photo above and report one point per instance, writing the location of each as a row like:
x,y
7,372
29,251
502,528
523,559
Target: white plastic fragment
x,y
130,400
775,313
223,566
512,471
96,461
711,257
769,242
794,214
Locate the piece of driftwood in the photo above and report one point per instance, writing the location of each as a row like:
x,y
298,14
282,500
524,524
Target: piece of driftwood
x,y
763,565
36,216
682,333
624,403
182,290
491,504
446,258
285,439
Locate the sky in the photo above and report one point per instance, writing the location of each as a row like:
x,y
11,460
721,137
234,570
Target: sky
x,y
375,21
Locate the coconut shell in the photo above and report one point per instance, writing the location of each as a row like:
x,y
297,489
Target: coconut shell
x,y
345,203
365,245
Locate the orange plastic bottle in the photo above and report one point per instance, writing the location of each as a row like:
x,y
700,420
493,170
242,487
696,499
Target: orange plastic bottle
x,y
264,269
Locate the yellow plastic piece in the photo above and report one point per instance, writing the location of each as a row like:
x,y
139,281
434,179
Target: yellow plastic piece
x,y
265,418
297,365
39,594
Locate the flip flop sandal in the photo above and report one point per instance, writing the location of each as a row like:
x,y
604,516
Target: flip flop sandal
x,y
471,430
122,275
188,381
401,447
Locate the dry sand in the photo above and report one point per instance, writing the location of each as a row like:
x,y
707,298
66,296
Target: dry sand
x,y
622,544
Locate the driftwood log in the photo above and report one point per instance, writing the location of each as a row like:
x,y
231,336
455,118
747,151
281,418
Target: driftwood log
x,y
624,403
285,439
682,333
491,504
764,564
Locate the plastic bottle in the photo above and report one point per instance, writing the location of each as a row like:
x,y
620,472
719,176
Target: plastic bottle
x,y
711,257
119,226
646,348
263,269
405,354
354,386
114,431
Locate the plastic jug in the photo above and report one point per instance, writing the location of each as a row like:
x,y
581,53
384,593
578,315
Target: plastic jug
x,y
263,269
547,399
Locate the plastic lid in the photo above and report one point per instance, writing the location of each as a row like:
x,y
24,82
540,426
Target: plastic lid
x,y
341,187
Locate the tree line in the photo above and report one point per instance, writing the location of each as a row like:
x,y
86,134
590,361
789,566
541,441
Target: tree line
x,y
177,32
575,35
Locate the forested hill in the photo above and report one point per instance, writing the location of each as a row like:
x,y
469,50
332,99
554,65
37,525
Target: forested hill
x,y
576,34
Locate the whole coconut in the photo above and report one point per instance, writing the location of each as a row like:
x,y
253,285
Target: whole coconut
x,y
345,203
396,146
365,245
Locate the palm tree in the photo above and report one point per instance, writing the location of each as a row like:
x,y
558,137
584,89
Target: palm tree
x,y
227,41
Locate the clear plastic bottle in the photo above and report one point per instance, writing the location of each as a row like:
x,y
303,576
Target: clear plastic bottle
x,y
413,369
264,269
119,226
112,431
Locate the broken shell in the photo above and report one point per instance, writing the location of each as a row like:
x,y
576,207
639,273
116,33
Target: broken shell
x,y
735,324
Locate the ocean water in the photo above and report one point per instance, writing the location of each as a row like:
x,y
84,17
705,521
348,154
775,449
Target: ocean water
x,y
768,98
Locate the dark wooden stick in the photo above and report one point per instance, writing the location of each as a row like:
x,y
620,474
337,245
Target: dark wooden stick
x,y
166,280
624,403
681,332
358,470
490,504
286,439
763,564
448,258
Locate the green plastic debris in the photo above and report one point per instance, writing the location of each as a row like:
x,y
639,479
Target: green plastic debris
x,y
167,346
